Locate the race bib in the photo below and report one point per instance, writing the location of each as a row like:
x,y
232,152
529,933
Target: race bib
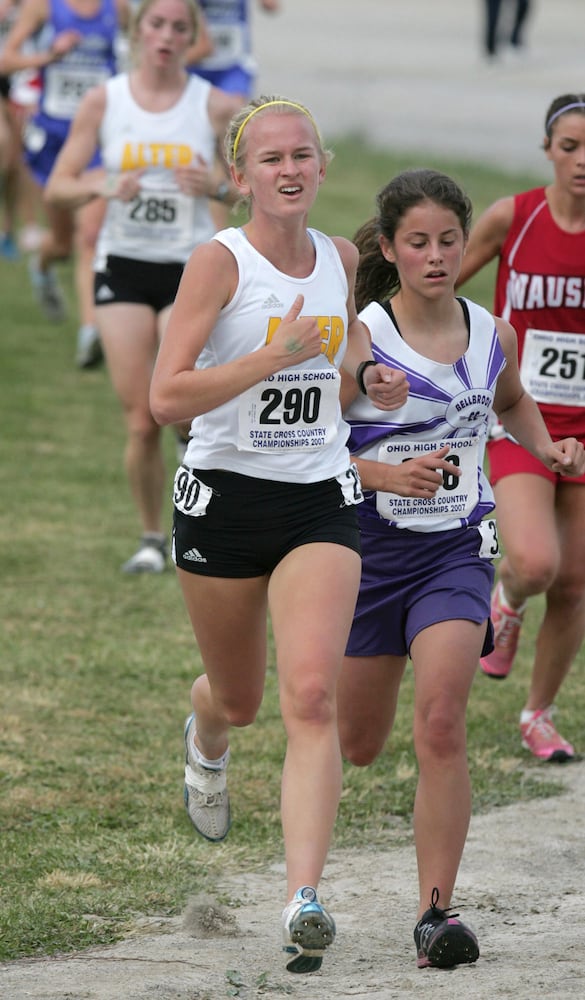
x,y
228,45
163,216
294,410
553,367
190,495
351,486
457,496
490,543
65,86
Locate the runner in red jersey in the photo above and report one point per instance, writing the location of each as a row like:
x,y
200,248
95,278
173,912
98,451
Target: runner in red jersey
x,y
538,238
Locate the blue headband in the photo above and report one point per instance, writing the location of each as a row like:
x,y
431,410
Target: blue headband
x,y
562,111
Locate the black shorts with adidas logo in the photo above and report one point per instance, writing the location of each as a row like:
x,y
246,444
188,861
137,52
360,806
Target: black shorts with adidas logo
x,y
248,525
140,282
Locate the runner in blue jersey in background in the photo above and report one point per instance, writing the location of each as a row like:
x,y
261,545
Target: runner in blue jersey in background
x,y
77,53
231,65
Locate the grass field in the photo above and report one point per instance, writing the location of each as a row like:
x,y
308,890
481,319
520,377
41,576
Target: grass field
x,y
96,667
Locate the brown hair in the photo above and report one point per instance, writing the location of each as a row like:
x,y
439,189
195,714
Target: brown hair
x,y
564,105
377,278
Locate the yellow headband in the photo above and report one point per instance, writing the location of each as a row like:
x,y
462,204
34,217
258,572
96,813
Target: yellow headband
x,y
270,104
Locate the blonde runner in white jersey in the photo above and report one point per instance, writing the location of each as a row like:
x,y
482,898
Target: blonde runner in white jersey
x,y
264,514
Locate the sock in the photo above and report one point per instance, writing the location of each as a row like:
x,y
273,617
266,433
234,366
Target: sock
x,y
506,600
154,538
528,714
212,765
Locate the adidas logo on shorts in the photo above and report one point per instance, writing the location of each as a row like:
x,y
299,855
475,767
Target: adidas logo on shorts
x,y
194,555
104,293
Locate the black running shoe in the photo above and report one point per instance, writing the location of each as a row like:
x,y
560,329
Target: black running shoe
x,y
442,941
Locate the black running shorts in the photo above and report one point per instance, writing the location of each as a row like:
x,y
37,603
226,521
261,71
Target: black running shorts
x,y
137,281
239,526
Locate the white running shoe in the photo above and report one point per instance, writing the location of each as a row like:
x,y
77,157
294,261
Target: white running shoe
x,y
307,931
89,349
151,557
205,793
47,291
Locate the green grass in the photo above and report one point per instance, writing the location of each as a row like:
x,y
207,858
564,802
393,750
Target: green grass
x,y
96,667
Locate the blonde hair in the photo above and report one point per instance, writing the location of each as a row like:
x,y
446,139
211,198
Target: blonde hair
x,y
233,146
141,10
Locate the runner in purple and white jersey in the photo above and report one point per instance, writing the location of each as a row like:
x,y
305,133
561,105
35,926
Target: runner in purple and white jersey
x,y
428,539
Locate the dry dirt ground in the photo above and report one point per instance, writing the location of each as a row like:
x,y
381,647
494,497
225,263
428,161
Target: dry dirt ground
x,y
521,887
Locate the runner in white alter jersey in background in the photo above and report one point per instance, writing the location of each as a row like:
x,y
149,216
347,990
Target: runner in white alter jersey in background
x,y
156,128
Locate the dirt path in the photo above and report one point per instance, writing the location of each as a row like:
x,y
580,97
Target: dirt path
x,y
521,886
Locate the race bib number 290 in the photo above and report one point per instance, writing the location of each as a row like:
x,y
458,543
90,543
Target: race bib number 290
x,y
290,411
190,495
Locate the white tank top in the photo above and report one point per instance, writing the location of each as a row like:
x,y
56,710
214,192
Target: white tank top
x,y
161,224
288,427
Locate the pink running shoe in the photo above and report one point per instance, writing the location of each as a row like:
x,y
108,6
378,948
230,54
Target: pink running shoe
x,y
541,738
507,623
